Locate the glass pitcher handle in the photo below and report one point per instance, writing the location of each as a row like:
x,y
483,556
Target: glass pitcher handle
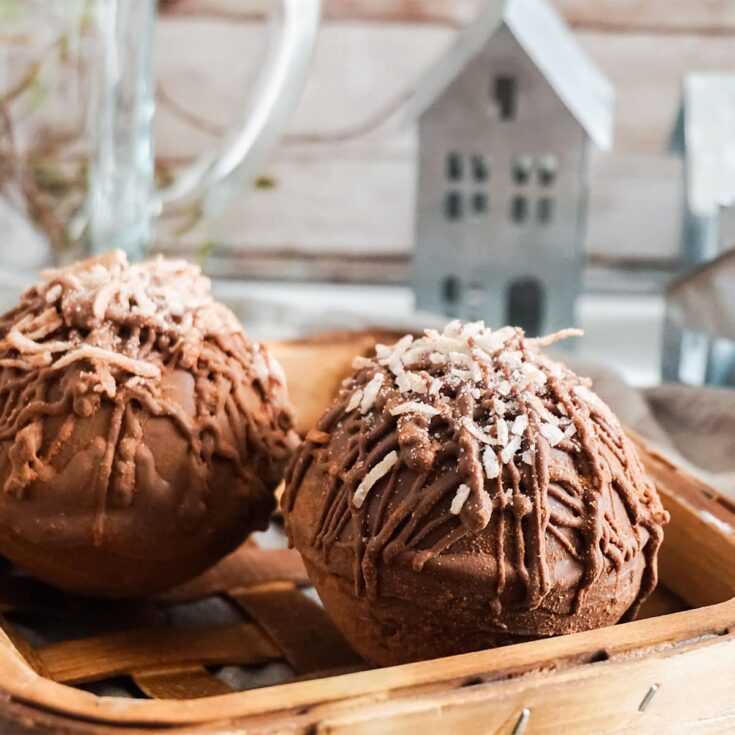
x,y
244,147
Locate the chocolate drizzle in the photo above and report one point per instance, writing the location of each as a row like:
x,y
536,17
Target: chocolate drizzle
x,y
495,445
122,344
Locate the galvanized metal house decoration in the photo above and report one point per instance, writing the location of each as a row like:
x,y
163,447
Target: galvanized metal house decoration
x,y
705,135
698,338
506,119
699,330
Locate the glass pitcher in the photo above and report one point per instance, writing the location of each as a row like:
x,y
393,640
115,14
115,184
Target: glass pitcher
x,y
76,113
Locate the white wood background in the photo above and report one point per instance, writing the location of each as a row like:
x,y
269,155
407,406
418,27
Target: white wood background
x,y
345,210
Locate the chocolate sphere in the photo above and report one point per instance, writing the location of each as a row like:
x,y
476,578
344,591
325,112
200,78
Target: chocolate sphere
x,y
141,434
465,491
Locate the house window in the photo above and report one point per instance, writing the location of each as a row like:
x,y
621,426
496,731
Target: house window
x,y
453,205
480,170
525,302
547,168
505,97
519,209
521,169
479,202
454,167
545,210
451,290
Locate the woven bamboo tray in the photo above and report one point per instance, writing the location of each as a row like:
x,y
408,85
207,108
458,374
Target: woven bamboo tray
x,y
670,672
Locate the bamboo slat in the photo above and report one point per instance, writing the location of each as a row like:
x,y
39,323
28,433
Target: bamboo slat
x,y
276,606
187,682
101,657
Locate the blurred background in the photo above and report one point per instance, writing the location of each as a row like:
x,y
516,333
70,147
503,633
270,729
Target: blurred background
x,y
321,232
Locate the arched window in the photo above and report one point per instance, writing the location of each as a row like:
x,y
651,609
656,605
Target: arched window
x,y
525,302
451,291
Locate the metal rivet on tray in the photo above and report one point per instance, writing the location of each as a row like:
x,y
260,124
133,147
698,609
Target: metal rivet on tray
x,y
650,694
522,723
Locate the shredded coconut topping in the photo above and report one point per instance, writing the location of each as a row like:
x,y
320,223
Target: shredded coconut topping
x,y
490,463
414,407
519,425
355,400
371,393
168,295
504,375
101,296
379,470
463,492
552,433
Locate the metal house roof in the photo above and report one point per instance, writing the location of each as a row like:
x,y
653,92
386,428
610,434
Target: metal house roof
x,y
705,131
550,44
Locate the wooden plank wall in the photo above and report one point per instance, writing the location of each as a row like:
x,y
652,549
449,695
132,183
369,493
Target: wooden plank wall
x,y
344,210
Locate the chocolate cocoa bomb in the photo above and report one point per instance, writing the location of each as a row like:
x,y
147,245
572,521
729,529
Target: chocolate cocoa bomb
x,y
141,433
465,491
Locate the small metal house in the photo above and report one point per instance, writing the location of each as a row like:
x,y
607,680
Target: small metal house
x,y
506,118
704,135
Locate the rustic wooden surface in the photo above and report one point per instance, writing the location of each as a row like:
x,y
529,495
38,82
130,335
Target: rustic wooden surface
x,y
596,681
345,211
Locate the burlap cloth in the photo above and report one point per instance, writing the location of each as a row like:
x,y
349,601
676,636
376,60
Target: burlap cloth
x,y
695,427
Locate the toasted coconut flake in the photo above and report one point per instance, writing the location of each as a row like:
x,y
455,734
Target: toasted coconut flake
x,y
54,293
381,469
549,339
361,362
502,431
402,383
389,354
490,463
510,449
463,492
382,351
519,425
513,359
414,407
477,432
537,404
354,401
417,383
552,434
370,392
